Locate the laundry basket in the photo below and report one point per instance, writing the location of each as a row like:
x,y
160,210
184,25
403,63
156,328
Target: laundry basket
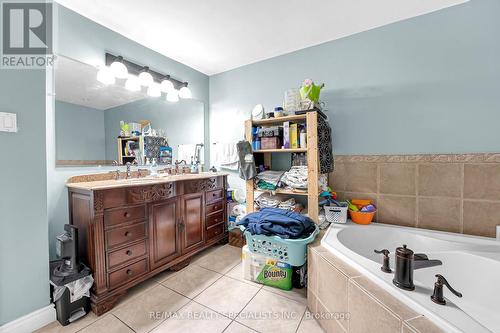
x,y
336,214
290,251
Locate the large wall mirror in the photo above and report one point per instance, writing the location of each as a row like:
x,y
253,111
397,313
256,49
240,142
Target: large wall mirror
x,y
98,124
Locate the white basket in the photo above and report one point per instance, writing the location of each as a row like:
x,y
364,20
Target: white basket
x,y
336,214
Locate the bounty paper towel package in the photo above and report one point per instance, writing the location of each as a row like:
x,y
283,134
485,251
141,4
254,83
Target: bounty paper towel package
x,y
267,271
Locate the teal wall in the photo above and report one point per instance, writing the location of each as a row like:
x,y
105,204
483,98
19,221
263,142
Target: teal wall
x,y
183,122
430,84
23,197
84,40
79,132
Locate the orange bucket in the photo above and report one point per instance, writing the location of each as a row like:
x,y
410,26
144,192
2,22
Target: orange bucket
x,y
362,217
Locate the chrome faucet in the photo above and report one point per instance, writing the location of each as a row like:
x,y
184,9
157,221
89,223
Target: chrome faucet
x,y
406,263
129,173
177,163
117,171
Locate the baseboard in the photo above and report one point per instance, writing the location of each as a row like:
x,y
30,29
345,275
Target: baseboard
x,y
31,321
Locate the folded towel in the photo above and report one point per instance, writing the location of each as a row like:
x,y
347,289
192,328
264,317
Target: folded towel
x,y
278,222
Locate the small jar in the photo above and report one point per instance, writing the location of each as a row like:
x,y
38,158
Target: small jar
x,y
278,112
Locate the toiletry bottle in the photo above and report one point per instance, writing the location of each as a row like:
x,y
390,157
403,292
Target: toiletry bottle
x,y
194,168
153,168
303,136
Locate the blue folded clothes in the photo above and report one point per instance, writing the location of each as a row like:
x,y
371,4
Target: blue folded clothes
x,y
278,222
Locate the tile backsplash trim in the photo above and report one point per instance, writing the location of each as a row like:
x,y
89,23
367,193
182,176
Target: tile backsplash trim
x,y
418,158
448,192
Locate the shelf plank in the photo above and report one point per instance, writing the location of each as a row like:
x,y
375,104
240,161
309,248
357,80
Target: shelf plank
x,y
281,191
300,117
290,150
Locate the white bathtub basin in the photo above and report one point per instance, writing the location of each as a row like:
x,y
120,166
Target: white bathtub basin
x,y
470,264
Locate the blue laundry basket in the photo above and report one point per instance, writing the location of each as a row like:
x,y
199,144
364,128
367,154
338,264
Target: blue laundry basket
x,y
290,251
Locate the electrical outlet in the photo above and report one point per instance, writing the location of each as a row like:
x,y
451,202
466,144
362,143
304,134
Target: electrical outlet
x,y
8,122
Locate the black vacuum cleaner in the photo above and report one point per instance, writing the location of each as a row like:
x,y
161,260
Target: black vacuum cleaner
x,y
67,252
66,270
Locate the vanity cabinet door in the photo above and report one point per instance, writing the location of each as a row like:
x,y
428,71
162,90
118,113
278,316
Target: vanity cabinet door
x,y
193,222
164,232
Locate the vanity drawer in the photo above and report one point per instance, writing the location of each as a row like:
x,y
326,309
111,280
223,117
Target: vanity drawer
x,y
212,196
123,215
128,273
121,256
214,219
125,235
215,207
215,231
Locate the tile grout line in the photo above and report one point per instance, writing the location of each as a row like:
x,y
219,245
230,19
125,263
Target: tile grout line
x,y
377,196
301,320
462,189
251,299
192,299
417,195
124,323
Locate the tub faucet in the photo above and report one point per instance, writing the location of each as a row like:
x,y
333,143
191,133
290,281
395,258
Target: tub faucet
x,y
437,295
406,263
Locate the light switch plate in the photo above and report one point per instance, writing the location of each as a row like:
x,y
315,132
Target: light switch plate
x,y
8,122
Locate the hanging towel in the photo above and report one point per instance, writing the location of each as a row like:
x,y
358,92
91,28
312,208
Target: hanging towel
x,y
278,222
325,147
185,152
226,155
246,161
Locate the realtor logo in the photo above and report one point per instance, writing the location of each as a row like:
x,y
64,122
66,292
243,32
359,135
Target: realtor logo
x,y
26,34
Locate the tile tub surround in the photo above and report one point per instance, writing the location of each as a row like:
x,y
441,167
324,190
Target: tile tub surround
x,y
343,300
447,192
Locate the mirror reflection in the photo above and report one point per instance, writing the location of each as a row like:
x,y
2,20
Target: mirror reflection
x,y
99,124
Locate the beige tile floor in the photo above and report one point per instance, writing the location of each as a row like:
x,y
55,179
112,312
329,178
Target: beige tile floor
x,y
209,295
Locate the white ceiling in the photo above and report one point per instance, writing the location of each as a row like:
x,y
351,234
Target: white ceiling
x,y
76,83
213,36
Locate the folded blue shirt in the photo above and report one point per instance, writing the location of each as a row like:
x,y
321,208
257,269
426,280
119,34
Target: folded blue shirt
x,y
278,222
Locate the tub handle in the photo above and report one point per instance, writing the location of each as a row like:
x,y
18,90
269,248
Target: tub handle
x,y
437,296
386,267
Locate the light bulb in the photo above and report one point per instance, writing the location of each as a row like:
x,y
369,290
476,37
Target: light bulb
x,y
145,78
173,96
105,76
154,90
185,92
119,69
166,85
132,83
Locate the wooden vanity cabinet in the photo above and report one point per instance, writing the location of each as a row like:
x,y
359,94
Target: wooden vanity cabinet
x,y
128,234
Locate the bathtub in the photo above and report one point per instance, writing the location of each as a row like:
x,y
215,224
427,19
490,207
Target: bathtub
x,y
470,264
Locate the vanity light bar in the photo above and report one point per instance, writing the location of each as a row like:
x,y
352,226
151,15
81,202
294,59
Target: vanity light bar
x,y
136,69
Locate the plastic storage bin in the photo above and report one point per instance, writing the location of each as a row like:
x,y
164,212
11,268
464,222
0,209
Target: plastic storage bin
x,y
290,251
336,214
270,143
267,271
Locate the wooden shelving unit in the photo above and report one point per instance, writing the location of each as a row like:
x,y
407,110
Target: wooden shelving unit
x,y
122,158
290,150
311,119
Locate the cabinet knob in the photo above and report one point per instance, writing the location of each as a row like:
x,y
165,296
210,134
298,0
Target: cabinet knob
x,y
129,272
129,253
216,219
127,214
215,207
128,234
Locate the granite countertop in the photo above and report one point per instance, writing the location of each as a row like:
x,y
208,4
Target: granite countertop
x,y
112,183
